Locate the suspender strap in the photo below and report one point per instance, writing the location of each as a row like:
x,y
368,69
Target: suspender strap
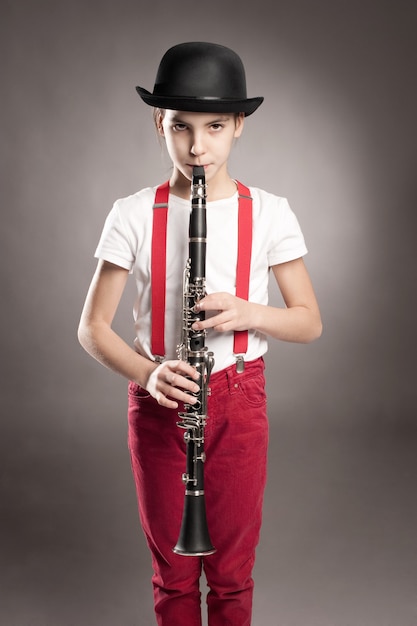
x,y
158,270
244,252
158,267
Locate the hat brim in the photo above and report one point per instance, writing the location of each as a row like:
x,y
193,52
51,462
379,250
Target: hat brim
x,y
201,105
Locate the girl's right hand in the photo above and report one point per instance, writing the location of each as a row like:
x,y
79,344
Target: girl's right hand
x,y
170,381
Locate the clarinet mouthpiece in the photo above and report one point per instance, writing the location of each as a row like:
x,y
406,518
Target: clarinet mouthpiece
x,y
198,171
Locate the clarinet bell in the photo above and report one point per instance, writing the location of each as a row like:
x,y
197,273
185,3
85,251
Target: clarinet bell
x,y
194,539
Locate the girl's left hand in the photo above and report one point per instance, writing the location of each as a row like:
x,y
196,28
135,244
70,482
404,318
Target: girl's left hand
x,y
233,313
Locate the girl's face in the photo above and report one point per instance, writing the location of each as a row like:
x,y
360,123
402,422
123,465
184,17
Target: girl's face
x,y
203,139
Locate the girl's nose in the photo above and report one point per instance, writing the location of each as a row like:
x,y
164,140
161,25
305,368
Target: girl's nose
x,y
197,146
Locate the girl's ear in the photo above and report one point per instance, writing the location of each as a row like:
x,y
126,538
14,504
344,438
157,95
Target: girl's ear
x,y
239,124
158,122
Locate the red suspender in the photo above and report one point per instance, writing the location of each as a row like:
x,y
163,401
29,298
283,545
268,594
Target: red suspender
x,y
158,268
244,251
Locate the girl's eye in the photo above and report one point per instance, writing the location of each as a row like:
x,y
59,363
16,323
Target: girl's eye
x,y
217,127
179,127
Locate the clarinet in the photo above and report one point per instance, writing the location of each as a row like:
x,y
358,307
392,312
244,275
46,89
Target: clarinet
x,y
194,539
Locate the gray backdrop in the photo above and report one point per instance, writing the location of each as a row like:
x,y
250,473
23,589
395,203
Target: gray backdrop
x,y
337,136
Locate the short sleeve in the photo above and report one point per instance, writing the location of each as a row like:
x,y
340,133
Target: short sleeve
x,y
114,244
287,240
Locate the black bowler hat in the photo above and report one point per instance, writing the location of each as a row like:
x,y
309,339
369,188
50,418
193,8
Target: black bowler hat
x,y
201,77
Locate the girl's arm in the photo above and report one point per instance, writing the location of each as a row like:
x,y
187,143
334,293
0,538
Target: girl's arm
x,y
299,322
97,337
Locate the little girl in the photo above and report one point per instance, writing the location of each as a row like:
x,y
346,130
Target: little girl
x,y
200,106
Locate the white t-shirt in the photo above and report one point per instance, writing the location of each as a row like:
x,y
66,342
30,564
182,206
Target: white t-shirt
x,y
126,241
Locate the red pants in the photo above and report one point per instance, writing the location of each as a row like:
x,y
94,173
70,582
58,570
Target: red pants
x,y
236,439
